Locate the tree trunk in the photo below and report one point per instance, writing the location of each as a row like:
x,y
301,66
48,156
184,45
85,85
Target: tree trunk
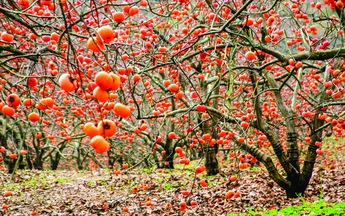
x,y
169,158
211,161
55,162
292,193
296,190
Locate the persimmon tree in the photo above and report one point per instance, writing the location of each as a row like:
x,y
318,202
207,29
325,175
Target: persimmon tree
x,y
149,79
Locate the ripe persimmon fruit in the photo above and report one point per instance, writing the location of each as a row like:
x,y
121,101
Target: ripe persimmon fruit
x,y
136,78
172,135
203,183
229,194
143,3
34,117
125,166
116,81
7,110
166,83
183,206
178,150
173,87
107,127
48,101
28,102
13,155
66,83
8,193
13,100
94,44
91,130
193,203
100,144
38,135
185,193
104,80
100,94
32,82
119,17
7,37
250,56
232,178
199,169
133,11
105,34
122,110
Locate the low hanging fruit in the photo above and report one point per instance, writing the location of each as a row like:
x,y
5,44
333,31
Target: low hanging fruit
x,y
91,130
100,144
107,127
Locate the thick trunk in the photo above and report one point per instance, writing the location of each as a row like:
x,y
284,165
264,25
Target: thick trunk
x,y
54,163
211,162
10,165
295,191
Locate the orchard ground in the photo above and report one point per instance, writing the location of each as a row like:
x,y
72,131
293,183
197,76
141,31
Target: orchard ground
x,y
160,192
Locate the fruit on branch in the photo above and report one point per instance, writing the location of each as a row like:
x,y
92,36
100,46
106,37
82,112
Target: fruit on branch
x,y
201,108
104,80
34,117
66,83
119,17
13,100
6,37
100,144
173,88
116,83
122,110
199,169
94,44
91,130
250,56
172,135
100,94
107,127
13,155
7,110
133,11
105,34
229,194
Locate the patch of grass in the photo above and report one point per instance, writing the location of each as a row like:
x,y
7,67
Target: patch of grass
x,y
319,207
210,183
169,186
61,180
160,180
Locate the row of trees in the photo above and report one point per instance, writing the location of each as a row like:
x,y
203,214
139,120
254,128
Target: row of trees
x,y
137,79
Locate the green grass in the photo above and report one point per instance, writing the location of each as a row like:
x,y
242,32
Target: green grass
x,y
319,207
307,208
